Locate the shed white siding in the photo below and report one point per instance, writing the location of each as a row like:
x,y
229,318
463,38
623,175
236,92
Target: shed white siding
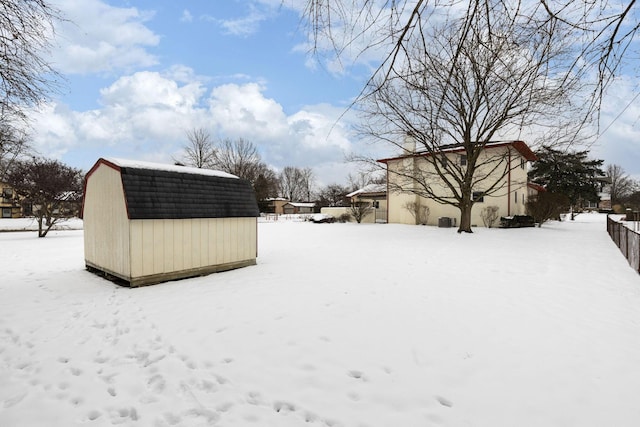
x,y
164,246
106,225
147,251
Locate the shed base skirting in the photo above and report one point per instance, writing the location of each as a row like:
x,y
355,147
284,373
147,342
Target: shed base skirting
x,y
153,279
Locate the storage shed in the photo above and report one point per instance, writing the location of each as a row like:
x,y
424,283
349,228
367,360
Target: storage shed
x,y
146,223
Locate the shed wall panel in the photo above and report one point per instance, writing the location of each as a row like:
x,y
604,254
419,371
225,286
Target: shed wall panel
x,y
219,241
211,243
186,244
233,238
158,245
195,242
147,247
165,246
226,228
106,231
136,233
204,242
169,246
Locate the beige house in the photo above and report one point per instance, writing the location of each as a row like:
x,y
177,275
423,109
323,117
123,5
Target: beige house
x,y
275,205
371,198
298,208
506,160
9,207
146,223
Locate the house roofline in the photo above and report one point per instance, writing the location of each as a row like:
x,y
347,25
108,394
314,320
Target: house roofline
x,y
539,188
520,146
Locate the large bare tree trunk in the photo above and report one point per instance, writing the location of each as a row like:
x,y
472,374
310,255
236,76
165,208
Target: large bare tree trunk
x,y
465,217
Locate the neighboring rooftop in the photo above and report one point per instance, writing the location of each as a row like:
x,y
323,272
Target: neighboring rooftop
x,y
369,189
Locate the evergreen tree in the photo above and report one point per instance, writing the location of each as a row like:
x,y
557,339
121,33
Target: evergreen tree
x,y
570,173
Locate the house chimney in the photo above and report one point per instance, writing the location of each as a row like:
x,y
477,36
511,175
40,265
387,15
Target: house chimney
x,y
408,144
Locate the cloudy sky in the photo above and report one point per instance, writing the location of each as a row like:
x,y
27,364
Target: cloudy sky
x,y
141,73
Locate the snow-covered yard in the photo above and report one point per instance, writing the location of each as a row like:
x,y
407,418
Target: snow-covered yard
x,y
337,325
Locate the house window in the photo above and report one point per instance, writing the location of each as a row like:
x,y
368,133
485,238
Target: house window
x,y
523,163
463,160
443,161
516,197
6,212
478,196
7,193
376,204
523,198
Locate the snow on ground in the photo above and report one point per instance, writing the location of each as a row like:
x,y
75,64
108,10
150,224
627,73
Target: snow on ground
x,y
31,224
337,325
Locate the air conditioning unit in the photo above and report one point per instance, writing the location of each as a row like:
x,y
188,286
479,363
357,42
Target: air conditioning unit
x,y
444,222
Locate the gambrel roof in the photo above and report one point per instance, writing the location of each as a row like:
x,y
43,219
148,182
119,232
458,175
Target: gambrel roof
x,y
157,191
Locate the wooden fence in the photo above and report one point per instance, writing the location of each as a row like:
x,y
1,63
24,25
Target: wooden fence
x,y
627,240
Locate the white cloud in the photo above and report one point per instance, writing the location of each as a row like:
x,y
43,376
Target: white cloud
x,y
244,26
186,16
243,109
249,24
620,127
101,38
146,115
151,89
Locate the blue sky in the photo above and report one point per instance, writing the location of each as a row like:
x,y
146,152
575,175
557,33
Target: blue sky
x,y
141,73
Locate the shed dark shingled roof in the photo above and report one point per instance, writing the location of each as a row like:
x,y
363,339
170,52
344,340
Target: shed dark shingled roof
x,y
161,194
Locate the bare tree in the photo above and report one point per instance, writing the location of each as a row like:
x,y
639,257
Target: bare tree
x,y
332,195
265,185
26,77
239,157
295,183
621,184
546,205
601,31
489,215
14,144
359,209
456,89
361,178
199,151
52,189
418,211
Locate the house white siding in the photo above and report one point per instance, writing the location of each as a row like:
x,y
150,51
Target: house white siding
x,y
510,196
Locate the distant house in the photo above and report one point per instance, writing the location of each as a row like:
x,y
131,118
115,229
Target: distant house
x,y
275,205
512,156
604,194
298,208
374,199
534,189
9,206
146,223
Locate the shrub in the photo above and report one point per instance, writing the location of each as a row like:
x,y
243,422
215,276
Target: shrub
x,y
419,212
345,217
490,215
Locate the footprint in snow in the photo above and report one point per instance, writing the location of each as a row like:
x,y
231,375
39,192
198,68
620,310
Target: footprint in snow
x,y
359,375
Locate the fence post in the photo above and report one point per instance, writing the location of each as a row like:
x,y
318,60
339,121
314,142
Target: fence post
x,y
626,243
